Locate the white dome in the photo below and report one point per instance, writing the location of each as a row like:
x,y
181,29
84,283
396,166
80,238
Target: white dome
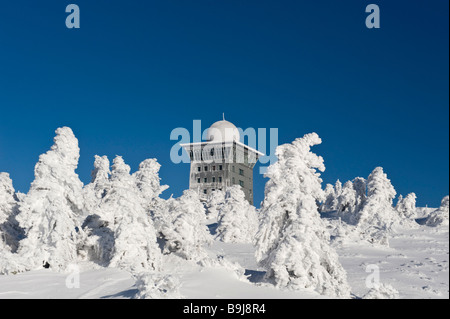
x,y
223,131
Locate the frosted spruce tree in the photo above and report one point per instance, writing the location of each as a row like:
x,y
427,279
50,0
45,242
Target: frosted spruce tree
x,y
406,206
135,248
327,204
99,185
148,183
346,201
149,186
378,216
292,242
50,212
440,217
237,221
337,193
213,204
10,232
185,232
359,184
99,240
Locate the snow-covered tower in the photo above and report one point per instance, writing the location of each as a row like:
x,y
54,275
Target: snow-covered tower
x,y
221,161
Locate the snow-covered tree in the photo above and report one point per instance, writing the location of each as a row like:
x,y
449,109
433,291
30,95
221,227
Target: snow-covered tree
x,y
151,285
99,185
148,183
185,233
406,206
237,221
346,201
378,216
99,240
292,242
359,184
440,217
10,232
337,193
327,204
213,204
135,248
50,212
382,291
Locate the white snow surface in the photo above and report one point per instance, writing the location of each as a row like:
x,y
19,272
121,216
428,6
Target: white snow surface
x,y
415,265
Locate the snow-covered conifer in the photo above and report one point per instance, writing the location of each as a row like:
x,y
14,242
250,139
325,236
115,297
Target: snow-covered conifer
x,y
213,204
99,185
185,233
327,204
440,217
151,285
292,242
135,247
237,221
378,216
406,206
50,212
359,184
148,183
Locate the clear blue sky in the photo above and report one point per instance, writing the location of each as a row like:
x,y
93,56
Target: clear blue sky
x,y
135,70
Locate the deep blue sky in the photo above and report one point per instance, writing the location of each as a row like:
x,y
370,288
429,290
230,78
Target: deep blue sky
x,y
135,70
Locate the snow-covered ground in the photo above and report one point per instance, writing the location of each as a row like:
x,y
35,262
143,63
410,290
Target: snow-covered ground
x,y
416,264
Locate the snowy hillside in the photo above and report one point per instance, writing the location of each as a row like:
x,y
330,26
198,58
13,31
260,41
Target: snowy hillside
x,y
117,238
416,265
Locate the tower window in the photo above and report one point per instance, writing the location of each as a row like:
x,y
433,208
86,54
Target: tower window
x,y
198,180
232,180
205,180
199,169
220,179
206,168
241,172
220,167
205,191
241,183
213,179
214,167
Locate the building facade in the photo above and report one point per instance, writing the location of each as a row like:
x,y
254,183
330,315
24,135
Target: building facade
x,y
221,161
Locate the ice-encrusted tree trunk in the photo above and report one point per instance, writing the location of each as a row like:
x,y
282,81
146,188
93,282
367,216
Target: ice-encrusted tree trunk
x,y
49,214
185,232
439,217
135,248
237,219
406,206
292,242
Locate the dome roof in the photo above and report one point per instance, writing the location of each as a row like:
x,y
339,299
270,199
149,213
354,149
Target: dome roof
x,y
223,131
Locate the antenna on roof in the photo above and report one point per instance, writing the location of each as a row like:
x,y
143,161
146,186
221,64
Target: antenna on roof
x,y
223,116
